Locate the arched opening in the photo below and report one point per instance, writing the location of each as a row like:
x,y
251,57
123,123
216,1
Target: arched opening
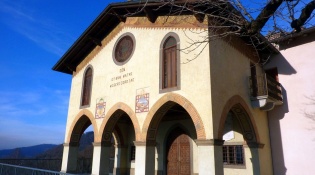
x,y
117,147
171,128
239,150
80,152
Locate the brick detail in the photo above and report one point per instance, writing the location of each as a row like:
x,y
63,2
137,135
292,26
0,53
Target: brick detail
x,y
113,116
158,110
83,118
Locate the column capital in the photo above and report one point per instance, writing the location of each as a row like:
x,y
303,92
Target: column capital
x,y
209,142
139,143
66,144
103,144
97,143
145,143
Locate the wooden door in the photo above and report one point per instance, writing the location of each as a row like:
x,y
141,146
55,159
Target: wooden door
x,y
178,154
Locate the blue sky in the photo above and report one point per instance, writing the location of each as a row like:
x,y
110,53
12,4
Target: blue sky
x,y
34,35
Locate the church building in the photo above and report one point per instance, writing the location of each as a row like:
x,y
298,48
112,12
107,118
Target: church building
x,y
164,100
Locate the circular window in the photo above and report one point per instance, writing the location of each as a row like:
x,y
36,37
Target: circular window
x,y
124,48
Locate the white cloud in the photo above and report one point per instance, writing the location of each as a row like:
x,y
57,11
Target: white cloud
x,y
33,103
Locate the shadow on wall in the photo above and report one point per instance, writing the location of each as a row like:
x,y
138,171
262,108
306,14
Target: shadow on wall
x,y
283,66
277,114
274,118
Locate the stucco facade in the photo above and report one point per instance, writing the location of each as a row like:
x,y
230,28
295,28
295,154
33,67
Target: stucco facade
x,y
212,87
292,124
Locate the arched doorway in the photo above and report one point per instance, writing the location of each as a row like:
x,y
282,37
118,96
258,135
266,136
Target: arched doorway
x,y
172,145
78,152
178,153
117,144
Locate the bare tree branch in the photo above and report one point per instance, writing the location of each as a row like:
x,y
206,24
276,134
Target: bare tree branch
x,y
306,13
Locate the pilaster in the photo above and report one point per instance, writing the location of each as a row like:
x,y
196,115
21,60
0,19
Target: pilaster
x,y
210,158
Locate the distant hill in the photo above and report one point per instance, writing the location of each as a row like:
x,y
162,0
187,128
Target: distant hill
x,y
50,151
85,149
86,146
25,152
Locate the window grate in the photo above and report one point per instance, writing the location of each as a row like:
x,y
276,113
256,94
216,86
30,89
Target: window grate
x,y
233,155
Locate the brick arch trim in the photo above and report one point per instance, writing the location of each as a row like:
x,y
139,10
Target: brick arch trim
x,y
113,116
161,107
238,106
83,113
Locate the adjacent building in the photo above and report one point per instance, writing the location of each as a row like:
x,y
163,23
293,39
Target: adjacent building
x,y
292,124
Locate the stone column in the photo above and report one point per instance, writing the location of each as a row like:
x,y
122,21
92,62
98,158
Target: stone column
x,y
105,161
101,162
97,146
210,158
140,162
150,158
254,149
69,158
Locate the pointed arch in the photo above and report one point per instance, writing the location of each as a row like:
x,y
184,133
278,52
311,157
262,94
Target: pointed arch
x,y
112,116
82,120
159,109
238,106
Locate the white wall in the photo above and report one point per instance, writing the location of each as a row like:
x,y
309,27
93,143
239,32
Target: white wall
x,y
292,133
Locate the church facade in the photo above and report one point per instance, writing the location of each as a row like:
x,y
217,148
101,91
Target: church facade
x,y
160,104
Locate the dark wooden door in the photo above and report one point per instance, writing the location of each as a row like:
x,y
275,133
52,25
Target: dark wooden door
x,y
178,154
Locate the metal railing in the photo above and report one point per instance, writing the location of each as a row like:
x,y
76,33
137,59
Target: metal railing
x,y
84,165
6,169
265,85
47,164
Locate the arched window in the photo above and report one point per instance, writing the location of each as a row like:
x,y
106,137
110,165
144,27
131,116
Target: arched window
x,y
87,87
169,63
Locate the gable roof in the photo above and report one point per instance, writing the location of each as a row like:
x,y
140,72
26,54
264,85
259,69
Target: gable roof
x,y
294,39
111,16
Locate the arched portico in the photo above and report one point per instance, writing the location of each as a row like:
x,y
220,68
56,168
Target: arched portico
x,y
167,112
239,107
159,109
70,154
113,116
82,120
239,132
120,122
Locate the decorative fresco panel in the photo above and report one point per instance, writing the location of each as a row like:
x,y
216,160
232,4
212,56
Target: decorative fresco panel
x,y
100,108
142,100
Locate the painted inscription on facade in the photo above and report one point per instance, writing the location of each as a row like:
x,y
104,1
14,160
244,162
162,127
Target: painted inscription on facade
x,y
121,79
